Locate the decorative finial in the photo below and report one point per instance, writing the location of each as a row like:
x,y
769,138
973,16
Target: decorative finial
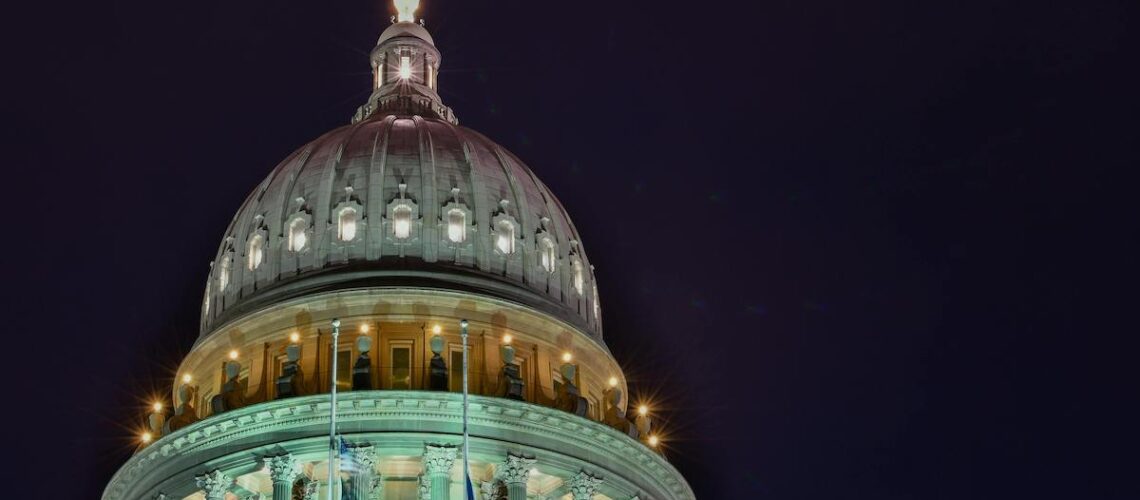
x,y
406,10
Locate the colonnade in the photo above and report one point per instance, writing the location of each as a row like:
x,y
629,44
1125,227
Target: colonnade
x,y
362,482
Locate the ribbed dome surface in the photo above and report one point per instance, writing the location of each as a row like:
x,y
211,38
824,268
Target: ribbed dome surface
x,y
335,215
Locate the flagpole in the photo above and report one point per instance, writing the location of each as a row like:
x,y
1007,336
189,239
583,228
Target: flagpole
x,y
467,486
332,409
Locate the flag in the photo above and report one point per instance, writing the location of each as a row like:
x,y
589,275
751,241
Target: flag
x,y
468,485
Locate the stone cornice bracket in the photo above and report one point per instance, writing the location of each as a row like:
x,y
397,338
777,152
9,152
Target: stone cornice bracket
x,y
282,468
583,486
516,469
215,484
438,459
364,457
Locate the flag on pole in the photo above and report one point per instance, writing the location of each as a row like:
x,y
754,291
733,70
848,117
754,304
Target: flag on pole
x,y
467,484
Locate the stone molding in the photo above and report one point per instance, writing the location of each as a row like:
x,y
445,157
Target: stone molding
x,y
440,413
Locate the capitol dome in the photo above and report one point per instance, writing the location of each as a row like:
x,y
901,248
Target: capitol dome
x,y
401,310
392,198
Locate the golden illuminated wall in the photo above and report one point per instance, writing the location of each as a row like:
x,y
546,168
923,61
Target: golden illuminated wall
x,y
400,323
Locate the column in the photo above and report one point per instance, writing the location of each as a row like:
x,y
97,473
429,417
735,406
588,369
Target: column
x,y
214,484
363,472
438,459
583,486
283,471
514,472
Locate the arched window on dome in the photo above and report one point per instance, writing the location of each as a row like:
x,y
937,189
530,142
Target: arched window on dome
x,y
456,225
255,252
578,278
548,254
224,272
402,221
505,236
298,235
597,305
346,224
379,75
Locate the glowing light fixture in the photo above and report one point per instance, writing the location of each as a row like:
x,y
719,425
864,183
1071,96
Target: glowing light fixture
x,y
507,339
294,337
613,381
364,328
234,354
567,357
406,10
436,329
643,410
653,440
186,379
157,406
405,67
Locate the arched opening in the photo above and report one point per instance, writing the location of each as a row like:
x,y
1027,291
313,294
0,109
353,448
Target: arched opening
x,y
402,222
346,224
505,237
255,253
456,226
298,238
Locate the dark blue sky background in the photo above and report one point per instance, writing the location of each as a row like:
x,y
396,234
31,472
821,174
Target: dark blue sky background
x,y
861,250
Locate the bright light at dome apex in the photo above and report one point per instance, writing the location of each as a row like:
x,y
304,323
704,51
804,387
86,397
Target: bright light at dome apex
x,y
406,10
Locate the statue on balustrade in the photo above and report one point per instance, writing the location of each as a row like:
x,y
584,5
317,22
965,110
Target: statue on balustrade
x,y
569,399
232,396
290,382
615,416
511,383
437,379
184,412
362,370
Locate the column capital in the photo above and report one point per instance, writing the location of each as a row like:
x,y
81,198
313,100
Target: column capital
x,y
214,483
583,486
438,459
282,468
516,469
363,456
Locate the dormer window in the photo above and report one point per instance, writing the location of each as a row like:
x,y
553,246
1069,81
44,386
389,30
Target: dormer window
x,y
456,225
255,252
346,224
548,254
402,222
505,236
578,279
224,272
298,237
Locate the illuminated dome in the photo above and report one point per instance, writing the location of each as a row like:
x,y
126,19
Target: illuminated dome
x,y
400,310
398,197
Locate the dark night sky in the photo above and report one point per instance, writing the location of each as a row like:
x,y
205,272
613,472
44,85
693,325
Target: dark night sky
x,y
862,250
